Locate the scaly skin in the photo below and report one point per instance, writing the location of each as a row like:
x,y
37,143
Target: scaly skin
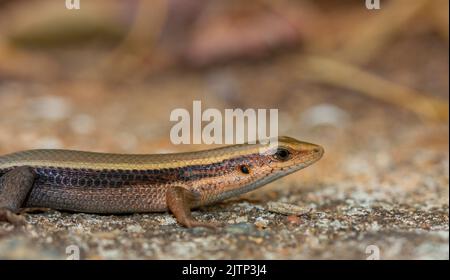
x,y
119,183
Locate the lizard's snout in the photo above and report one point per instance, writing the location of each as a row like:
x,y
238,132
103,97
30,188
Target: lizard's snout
x,y
318,151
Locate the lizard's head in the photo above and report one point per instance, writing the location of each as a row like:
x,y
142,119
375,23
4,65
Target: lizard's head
x,y
273,161
290,154
259,164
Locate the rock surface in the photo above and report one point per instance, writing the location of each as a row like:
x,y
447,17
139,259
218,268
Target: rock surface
x,y
381,189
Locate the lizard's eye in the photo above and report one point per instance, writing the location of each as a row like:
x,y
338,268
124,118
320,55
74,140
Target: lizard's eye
x,y
244,169
282,154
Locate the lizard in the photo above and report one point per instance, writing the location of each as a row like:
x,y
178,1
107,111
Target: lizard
x,y
106,183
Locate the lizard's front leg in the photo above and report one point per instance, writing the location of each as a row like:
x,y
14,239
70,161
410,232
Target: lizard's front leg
x,y
180,200
14,188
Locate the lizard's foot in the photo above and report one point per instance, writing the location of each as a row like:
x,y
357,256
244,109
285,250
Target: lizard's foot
x,y
179,200
8,216
194,223
34,210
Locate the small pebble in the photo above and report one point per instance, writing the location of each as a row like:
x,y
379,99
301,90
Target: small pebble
x,y
241,228
261,223
287,209
293,219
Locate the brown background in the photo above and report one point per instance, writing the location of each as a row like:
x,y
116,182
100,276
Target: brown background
x,y
371,86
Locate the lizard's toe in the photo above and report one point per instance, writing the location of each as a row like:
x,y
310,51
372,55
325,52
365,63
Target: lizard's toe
x,y
210,225
8,216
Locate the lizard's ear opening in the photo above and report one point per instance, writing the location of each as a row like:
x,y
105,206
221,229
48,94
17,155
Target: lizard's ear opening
x,y
244,169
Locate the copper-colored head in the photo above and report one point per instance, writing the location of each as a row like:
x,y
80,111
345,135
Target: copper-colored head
x,y
292,153
260,164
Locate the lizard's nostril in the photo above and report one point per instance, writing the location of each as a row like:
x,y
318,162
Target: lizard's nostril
x,y
316,150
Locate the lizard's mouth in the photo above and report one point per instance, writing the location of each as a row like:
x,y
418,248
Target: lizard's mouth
x,y
317,154
311,157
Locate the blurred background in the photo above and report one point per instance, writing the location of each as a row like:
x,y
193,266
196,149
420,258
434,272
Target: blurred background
x,y
371,86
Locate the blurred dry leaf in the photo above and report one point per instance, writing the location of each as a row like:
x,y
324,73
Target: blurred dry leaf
x,y
46,24
365,40
17,64
249,30
345,75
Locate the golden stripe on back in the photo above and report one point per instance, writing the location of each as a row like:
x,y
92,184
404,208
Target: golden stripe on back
x,y
92,160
